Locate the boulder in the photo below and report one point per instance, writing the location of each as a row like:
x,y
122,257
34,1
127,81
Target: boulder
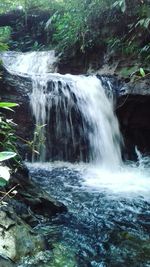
x,y
17,239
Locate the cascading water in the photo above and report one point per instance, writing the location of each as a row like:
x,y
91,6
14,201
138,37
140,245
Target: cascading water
x,y
28,64
108,220
69,95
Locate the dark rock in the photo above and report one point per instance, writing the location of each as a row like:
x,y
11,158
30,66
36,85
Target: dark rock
x,y
30,195
133,113
6,262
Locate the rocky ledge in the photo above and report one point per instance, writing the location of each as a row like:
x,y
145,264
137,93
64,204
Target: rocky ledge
x,y
133,112
18,216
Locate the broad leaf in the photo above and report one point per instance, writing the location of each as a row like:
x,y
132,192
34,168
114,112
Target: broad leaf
x,y
4,174
8,105
6,155
123,6
3,182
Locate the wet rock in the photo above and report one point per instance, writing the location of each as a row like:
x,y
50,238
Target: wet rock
x,y
6,262
141,86
17,239
63,256
34,197
60,256
133,113
31,200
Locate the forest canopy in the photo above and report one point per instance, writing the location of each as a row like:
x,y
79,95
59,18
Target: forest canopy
x,y
120,26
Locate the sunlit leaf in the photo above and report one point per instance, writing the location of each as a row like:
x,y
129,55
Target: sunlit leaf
x,y
142,72
4,172
8,105
6,155
3,182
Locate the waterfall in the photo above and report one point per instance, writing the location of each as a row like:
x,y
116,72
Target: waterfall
x,y
73,114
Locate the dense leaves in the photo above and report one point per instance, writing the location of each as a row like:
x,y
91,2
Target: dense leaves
x,y
90,23
7,142
121,26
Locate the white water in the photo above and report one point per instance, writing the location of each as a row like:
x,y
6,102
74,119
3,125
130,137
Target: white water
x,y
91,102
129,181
85,94
30,63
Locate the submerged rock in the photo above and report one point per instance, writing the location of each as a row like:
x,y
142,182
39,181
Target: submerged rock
x,y
60,256
63,256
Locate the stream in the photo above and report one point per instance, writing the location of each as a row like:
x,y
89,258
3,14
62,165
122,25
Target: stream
x,y
108,201
108,217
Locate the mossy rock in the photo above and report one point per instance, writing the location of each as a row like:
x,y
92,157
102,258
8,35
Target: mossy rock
x,y
17,239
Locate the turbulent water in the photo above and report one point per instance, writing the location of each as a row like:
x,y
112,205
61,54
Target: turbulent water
x,y
108,219
108,201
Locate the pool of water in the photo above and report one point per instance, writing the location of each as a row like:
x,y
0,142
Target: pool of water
x,y
108,218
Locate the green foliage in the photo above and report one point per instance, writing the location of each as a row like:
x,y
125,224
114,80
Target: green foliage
x,y
4,36
7,136
8,105
7,142
74,24
3,46
120,26
81,25
8,5
5,155
3,182
128,71
142,72
121,4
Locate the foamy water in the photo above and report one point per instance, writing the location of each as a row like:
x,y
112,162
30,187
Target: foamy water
x,y
128,181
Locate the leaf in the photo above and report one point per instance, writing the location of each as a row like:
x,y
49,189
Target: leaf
x,y
8,105
6,155
4,173
3,182
142,72
146,23
123,6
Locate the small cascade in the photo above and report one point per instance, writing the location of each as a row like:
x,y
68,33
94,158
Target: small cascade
x,y
74,118
30,63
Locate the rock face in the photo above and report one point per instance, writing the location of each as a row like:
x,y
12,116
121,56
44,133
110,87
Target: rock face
x,y
19,214
6,262
30,195
133,112
17,239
